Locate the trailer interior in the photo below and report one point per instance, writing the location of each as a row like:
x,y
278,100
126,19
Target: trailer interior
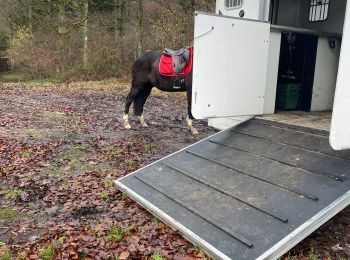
x,y
309,54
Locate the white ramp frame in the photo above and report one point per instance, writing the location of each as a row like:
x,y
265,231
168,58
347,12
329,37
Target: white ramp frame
x,y
340,128
307,228
230,66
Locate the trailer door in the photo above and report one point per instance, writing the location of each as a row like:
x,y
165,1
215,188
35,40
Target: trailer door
x,y
340,128
230,65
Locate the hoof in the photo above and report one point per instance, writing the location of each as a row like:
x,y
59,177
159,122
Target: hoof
x,y
142,121
126,122
194,132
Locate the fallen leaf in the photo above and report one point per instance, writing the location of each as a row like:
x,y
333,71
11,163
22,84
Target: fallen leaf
x,y
124,255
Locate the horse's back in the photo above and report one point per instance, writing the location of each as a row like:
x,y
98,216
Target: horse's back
x,y
146,61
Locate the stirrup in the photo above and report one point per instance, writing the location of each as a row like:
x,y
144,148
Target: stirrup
x,y
176,85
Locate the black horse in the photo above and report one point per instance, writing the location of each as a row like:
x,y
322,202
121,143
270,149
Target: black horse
x,y
145,76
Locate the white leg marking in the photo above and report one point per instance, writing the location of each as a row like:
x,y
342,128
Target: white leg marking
x,y
126,122
142,121
191,127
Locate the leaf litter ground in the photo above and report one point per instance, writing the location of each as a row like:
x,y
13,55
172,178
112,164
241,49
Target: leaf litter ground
x,y
61,148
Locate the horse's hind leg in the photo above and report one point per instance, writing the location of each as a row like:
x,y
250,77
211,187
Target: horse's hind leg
x,y
135,89
189,118
139,103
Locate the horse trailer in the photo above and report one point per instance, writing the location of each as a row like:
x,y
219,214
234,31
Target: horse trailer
x,y
242,61
265,182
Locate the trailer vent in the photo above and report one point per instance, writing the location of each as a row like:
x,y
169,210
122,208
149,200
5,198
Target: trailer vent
x,y
318,10
233,4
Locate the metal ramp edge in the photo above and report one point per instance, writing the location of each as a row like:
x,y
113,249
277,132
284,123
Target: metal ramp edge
x,y
277,249
307,228
187,233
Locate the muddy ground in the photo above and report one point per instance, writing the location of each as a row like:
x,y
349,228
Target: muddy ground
x,y
61,147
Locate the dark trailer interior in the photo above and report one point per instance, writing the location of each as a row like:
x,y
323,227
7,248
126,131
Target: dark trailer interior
x,y
303,25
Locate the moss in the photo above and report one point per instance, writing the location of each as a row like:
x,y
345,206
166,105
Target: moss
x,y
6,256
25,154
117,233
109,183
157,256
8,214
104,195
13,193
47,253
150,148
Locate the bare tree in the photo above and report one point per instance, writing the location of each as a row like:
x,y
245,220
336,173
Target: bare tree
x,y
119,9
85,33
139,27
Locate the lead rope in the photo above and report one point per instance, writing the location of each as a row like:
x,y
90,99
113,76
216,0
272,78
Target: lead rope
x,y
203,34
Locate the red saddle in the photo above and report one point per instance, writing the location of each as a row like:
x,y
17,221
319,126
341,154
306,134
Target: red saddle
x,y
166,63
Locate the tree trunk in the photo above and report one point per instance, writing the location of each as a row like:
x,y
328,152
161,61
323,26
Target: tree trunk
x,y
30,16
62,32
85,33
139,25
119,19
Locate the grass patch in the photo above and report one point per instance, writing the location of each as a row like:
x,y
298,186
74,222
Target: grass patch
x,y
109,183
80,147
15,77
74,155
130,163
22,255
36,133
117,233
313,255
11,77
13,193
111,150
104,195
150,148
6,256
82,255
74,161
8,214
157,256
25,154
46,253
40,82
64,184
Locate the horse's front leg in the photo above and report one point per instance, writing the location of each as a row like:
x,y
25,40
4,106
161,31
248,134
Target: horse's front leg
x,y
189,118
126,121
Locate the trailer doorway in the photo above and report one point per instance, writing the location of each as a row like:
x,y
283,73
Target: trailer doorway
x,y
296,71
317,27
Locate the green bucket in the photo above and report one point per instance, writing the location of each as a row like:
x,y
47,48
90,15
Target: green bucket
x,y
287,96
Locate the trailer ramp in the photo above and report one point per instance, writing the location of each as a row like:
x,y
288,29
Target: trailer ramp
x,y
249,192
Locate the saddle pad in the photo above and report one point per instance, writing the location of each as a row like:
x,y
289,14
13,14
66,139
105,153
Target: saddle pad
x,y
166,66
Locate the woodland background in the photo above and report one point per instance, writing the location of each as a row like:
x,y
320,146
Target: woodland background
x,y
90,39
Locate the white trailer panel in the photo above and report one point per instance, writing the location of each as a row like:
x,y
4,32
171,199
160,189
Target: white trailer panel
x,y
230,66
325,78
340,128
